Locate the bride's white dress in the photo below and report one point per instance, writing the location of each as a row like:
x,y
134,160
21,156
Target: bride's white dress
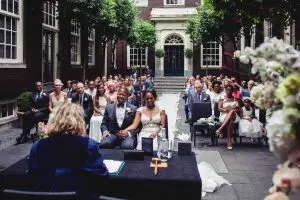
x,y
148,127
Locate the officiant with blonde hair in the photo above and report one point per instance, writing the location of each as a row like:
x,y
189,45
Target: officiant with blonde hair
x,y
66,159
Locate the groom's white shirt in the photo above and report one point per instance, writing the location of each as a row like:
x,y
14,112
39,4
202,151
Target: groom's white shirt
x,y
120,114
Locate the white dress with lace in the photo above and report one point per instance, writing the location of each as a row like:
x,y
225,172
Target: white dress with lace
x,y
95,123
253,129
148,127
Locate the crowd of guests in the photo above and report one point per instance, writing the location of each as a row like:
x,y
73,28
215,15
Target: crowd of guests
x,y
93,96
232,100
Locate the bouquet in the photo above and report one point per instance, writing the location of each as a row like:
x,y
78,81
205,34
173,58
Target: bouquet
x,y
278,65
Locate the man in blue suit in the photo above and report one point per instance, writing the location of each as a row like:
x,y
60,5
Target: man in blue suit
x,y
198,96
117,117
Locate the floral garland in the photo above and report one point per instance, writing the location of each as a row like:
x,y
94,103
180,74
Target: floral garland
x,y
278,65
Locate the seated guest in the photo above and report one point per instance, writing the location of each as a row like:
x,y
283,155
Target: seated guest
x,y
117,117
228,108
67,160
100,102
199,96
57,97
91,90
216,95
68,89
244,89
111,92
152,118
248,125
74,88
38,110
85,101
236,92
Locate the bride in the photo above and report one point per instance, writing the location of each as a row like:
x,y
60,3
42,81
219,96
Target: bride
x,y
152,118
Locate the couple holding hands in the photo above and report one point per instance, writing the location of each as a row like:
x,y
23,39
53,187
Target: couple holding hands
x,y
124,125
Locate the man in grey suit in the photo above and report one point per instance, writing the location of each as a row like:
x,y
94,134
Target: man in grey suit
x,y
198,96
117,117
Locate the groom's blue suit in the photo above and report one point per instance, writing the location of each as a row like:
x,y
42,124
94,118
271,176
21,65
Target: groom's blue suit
x,y
110,124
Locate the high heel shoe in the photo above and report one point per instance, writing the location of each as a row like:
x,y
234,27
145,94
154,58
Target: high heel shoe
x,y
219,134
229,148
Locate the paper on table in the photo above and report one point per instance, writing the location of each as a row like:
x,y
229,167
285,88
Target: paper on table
x,y
113,166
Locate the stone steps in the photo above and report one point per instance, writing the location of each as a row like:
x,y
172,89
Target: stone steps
x,y
172,85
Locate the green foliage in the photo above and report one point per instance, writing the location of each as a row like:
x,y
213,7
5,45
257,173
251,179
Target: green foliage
x,y
23,101
143,34
159,53
188,53
206,25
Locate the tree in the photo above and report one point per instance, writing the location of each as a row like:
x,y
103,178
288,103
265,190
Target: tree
x,y
143,35
86,13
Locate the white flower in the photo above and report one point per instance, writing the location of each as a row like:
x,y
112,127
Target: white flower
x,y
290,101
128,110
291,115
279,133
244,59
85,99
237,54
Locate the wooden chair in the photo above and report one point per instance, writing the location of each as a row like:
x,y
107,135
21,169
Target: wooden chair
x,y
9,194
199,110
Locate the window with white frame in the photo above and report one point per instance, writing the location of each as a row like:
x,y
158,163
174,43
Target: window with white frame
x,y
211,55
91,48
268,32
136,59
75,42
49,14
7,110
174,2
9,16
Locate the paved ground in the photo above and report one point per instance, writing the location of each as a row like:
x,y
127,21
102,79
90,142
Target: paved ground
x,y
250,166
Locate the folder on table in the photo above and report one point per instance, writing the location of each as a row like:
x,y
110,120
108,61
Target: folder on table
x,y
114,166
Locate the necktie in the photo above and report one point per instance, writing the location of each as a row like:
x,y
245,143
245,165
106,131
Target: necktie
x,y
199,96
38,96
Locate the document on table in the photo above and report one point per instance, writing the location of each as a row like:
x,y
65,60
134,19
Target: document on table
x,y
114,166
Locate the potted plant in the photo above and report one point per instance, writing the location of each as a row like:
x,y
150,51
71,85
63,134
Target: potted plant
x,y
23,104
159,53
188,53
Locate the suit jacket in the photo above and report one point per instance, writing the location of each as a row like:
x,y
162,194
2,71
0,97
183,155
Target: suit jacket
x,y
87,105
109,121
41,103
195,99
73,164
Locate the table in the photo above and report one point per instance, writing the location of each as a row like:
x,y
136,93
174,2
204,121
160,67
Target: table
x,y
181,180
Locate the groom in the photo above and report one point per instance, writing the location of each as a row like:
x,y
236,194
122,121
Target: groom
x,y
117,117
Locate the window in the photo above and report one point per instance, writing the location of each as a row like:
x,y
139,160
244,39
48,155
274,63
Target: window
x,y
7,110
211,55
137,60
268,29
174,2
9,15
91,47
75,41
49,14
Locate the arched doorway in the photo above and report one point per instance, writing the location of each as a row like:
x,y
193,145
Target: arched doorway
x,y
174,56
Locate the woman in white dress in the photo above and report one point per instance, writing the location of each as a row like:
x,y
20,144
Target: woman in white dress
x,y
249,126
152,118
100,102
228,108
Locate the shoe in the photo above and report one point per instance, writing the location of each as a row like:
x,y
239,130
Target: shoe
x,y
229,148
219,134
21,139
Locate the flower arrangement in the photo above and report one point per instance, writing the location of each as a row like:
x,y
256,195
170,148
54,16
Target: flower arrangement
x,y
278,65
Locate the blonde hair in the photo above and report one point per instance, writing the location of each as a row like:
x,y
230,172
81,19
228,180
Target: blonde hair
x,y
58,81
66,118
